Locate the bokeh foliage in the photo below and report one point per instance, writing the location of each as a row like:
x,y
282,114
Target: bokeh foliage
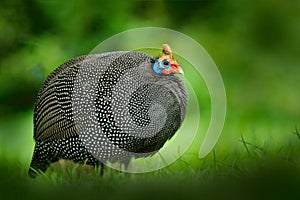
x,y
255,45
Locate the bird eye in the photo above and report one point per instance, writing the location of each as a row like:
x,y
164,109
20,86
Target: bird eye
x,y
165,62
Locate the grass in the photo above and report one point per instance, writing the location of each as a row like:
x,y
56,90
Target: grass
x,y
246,170
217,175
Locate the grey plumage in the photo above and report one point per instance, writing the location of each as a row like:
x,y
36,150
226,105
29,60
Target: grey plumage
x,y
105,107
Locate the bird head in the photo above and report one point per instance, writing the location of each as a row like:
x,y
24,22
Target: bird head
x,y
166,64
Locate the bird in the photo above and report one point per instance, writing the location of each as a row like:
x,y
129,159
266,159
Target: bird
x,y
111,106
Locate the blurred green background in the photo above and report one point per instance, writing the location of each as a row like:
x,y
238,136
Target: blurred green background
x,y
256,46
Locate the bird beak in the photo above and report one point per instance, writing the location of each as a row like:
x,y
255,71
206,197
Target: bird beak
x,y
180,71
177,69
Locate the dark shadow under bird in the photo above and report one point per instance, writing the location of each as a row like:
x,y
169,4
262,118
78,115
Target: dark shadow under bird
x,y
107,107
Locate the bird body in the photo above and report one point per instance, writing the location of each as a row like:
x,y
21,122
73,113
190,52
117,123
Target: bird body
x,y
107,107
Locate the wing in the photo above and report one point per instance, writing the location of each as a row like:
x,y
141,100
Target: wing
x,y
53,108
53,116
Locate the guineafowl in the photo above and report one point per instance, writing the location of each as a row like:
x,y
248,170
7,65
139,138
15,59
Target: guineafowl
x,y
108,107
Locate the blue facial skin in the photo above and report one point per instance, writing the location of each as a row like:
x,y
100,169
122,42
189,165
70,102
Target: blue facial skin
x,y
158,67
